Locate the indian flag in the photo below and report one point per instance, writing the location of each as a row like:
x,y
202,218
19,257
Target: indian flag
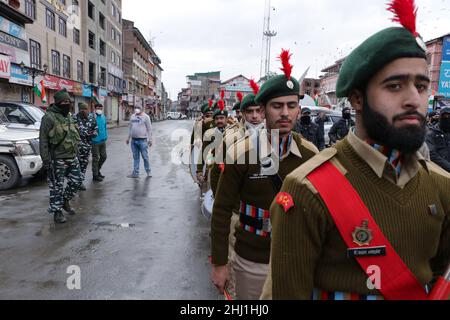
x,y
39,89
431,100
95,96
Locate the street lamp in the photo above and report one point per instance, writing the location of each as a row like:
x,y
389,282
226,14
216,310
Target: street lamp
x,y
33,72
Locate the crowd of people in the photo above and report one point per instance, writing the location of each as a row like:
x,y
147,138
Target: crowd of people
x,y
367,218
67,141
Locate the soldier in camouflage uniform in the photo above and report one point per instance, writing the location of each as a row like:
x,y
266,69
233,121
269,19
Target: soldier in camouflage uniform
x,y
88,129
59,139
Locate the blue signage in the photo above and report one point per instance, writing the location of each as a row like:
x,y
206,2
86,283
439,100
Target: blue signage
x,y
444,81
87,92
446,49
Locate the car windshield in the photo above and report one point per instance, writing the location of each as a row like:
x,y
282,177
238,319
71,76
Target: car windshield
x,y
35,112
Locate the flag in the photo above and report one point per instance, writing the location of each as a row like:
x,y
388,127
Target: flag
x,y
39,89
95,96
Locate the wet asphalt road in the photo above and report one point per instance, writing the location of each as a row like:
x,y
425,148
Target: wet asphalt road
x,y
162,255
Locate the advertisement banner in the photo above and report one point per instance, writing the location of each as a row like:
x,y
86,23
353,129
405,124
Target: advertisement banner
x,y
446,49
12,28
55,83
5,66
18,77
444,81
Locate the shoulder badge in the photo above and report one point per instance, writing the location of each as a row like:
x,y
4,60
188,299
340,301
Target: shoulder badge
x,y
285,200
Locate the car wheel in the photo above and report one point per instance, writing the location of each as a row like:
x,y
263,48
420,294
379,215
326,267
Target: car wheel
x,y
9,173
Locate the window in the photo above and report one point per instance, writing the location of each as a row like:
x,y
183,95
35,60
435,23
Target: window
x,y
113,10
30,8
76,36
35,54
80,71
113,33
91,40
101,20
56,63
50,19
66,67
102,80
91,10
62,27
91,72
102,48
113,57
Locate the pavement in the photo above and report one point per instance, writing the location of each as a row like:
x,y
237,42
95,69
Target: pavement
x,y
131,238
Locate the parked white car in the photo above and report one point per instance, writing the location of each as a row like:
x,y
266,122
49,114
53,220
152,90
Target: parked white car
x,y
173,115
20,115
19,155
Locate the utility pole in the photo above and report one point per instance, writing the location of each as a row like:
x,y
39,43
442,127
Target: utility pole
x,y
267,40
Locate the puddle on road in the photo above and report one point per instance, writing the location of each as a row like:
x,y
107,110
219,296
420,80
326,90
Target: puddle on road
x,y
115,225
13,195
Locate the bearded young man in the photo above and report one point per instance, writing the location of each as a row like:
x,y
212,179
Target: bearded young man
x,y
372,206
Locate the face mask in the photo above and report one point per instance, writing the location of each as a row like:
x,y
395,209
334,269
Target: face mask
x,y
445,125
99,112
305,120
138,111
65,108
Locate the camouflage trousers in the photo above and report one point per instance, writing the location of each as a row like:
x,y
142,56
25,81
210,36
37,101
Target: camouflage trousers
x,y
62,169
83,157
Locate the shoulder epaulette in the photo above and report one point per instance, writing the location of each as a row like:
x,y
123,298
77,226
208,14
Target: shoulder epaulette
x,y
309,166
433,167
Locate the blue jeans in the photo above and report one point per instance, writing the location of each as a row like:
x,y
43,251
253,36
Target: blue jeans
x,y
140,147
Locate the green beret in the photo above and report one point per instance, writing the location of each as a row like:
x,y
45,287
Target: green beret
x,y
206,108
82,106
237,106
61,95
219,112
373,54
248,101
276,87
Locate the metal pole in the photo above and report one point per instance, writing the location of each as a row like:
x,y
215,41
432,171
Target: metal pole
x,y
32,87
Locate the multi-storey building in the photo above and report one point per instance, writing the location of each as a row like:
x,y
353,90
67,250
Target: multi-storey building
x,y
102,42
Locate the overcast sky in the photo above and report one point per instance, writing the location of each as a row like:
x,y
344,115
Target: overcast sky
x,y
226,35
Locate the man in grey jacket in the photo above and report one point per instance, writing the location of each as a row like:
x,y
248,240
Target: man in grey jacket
x,y
140,134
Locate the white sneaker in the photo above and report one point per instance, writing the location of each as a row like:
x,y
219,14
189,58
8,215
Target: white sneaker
x,y
149,174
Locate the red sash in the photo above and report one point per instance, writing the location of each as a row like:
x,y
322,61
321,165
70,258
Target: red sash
x,y
397,281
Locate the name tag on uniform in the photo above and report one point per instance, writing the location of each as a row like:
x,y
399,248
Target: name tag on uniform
x,y
366,252
257,176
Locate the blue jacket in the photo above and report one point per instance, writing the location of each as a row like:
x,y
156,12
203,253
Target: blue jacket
x,y
102,130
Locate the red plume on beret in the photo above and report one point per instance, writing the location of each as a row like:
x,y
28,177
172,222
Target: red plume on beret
x,y
254,86
221,105
222,94
285,58
210,103
240,96
405,12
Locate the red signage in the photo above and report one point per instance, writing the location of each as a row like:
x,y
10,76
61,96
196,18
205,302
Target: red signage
x,y
55,83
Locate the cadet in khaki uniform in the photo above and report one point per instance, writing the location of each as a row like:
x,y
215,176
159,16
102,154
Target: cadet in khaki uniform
x,y
59,139
406,196
253,179
200,127
253,121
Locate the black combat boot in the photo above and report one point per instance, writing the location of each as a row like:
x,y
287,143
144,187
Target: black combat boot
x,y
59,217
101,176
67,208
97,179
